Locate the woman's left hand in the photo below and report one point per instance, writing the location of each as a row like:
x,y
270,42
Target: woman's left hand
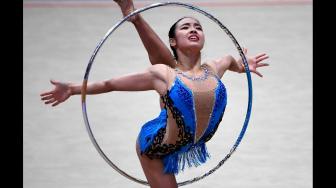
x,y
254,62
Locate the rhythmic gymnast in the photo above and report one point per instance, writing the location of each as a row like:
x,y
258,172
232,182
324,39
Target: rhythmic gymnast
x,y
192,96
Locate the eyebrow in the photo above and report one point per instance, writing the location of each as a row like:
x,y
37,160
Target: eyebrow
x,y
188,24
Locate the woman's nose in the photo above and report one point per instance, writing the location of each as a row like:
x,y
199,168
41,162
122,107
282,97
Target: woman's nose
x,y
193,30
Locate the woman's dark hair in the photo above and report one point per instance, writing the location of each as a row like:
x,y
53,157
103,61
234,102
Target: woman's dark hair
x,y
171,34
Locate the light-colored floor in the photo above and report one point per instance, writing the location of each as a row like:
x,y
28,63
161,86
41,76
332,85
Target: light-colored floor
x,y
58,42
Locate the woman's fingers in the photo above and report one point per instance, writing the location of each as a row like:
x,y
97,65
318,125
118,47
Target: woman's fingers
x,y
53,101
261,55
257,73
49,92
126,7
262,64
46,93
50,101
261,58
47,97
54,82
245,51
56,103
255,62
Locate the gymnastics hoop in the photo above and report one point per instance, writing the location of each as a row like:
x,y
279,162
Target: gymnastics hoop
x,y
88,68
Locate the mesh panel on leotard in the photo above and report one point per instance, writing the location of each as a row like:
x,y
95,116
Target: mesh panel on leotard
x,y
203,96
203,92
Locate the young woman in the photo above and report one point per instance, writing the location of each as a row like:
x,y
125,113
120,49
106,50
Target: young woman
x,y
193,98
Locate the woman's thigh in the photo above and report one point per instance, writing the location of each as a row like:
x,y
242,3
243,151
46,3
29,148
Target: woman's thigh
x,y
153,169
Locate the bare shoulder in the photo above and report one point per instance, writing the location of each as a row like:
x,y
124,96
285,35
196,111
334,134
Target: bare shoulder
x,y
161,76
159,70
222,61
212,64
225,60
220,65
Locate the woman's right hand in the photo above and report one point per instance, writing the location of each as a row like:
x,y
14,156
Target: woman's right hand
x,y
59,94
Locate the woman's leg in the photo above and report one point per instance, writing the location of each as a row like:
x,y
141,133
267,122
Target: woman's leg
x,y
153,169
157,51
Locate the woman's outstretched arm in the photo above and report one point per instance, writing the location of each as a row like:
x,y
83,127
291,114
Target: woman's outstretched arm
x,y
230,63
157,51
151,79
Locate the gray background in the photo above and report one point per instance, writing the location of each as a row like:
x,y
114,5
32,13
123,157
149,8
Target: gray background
x,y
59,40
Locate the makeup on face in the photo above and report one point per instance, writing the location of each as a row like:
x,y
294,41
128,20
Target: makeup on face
x,y
191,30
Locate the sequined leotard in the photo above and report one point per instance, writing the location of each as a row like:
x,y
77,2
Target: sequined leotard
x,y
190,117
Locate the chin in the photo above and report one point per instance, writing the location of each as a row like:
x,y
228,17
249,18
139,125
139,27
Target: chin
x,y
195,47
191,46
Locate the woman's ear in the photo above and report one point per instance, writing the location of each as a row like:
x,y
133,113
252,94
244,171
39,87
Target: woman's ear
x,y
172,42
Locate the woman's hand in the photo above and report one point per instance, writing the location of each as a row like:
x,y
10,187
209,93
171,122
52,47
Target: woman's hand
x,y
59,94
126,7
254,62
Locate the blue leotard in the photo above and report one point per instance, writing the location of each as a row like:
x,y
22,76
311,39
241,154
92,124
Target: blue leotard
x,y
188,145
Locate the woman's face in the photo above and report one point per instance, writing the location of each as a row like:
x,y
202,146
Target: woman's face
x,y
188,35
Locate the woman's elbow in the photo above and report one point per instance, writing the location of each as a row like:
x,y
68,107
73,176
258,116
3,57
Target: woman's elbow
x,y
109,86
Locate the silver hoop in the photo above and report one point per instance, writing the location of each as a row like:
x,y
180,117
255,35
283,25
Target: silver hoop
x,y
86,76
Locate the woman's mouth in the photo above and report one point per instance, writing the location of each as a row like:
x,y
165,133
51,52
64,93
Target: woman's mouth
x,y
193,38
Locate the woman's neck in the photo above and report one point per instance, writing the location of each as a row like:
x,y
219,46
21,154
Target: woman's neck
x,y
190,63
